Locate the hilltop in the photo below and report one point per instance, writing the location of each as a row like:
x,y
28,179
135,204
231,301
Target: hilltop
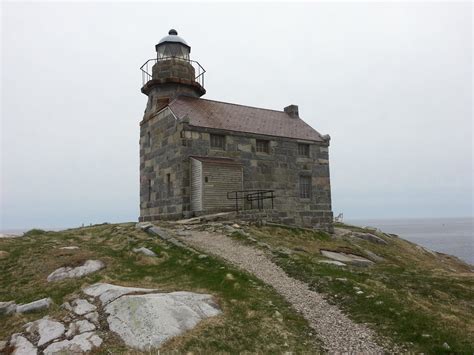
x,y
271,288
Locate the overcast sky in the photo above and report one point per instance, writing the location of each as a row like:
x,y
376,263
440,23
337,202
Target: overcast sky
x,y
390,82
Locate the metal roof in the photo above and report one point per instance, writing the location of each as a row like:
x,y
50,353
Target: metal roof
x,y
239,118
173,37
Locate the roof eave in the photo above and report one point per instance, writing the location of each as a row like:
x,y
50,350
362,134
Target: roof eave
x,y
253,133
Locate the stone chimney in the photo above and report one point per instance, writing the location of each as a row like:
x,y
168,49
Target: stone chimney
x,y
292,111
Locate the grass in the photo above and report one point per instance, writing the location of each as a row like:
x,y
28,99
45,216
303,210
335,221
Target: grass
x,y
249,323
413,297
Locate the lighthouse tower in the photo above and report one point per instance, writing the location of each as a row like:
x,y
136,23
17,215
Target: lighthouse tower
x,y
171,73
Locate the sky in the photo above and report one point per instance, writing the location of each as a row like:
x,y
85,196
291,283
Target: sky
x,y
391,83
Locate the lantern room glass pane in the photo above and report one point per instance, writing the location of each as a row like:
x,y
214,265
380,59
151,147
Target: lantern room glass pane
x,y
175,50
161,52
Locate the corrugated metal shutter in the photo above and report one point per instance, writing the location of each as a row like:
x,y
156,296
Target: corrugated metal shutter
x,y
218,179
196,185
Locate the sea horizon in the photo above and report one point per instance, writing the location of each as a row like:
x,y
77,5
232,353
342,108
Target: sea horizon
x,y
449,235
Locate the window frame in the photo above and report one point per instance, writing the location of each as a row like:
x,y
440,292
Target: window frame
x,y
266,145
213,138
149,188
306,148
148,138
168,185
305,186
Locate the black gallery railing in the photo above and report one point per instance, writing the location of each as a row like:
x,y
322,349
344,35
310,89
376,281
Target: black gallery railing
x,y
147,69
248,198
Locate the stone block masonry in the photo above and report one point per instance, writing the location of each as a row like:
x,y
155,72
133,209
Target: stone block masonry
x,y
166,145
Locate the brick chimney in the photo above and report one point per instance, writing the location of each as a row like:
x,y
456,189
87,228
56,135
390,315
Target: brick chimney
x,y
292,111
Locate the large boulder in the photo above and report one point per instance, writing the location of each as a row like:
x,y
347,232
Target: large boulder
x,y
67,272
144,318
146,321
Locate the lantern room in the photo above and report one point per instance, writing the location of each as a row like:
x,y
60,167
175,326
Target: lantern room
x,y
172,46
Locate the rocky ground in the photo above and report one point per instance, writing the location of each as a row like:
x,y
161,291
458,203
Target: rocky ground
x,y
143,318
337,332
207,286
115,288
405,296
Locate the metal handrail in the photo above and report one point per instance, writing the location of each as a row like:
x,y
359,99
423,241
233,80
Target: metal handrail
x,y
145,69
250,196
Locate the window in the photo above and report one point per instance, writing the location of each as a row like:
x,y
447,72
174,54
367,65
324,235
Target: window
x,y
217,141
305,186
168,184
263,146
303,149
149,190
148,139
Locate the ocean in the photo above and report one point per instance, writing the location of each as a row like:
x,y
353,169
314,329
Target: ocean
x,y
453,236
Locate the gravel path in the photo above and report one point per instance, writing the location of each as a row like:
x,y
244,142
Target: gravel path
x,y
337,332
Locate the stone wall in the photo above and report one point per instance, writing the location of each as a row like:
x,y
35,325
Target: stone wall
x,y
161,164
278,170
173,68
165,167
283,217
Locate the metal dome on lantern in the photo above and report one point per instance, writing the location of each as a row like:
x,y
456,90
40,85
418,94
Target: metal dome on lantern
x,y
172,46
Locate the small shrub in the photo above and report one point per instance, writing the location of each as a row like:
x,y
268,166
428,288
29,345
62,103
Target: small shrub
x,y
33,232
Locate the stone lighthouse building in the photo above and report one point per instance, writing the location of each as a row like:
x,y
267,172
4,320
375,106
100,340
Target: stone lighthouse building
x,y
201,156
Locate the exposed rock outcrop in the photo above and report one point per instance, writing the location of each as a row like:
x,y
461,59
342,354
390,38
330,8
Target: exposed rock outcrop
x,y
332,262
107,292
369,237
79,344
144,319
157,317
7,307
81,307
47,329
22,346
67,272
79,327
144,251
347,258
34,306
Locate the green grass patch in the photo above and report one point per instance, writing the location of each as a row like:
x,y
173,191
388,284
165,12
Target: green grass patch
x,y
248,322
412,297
